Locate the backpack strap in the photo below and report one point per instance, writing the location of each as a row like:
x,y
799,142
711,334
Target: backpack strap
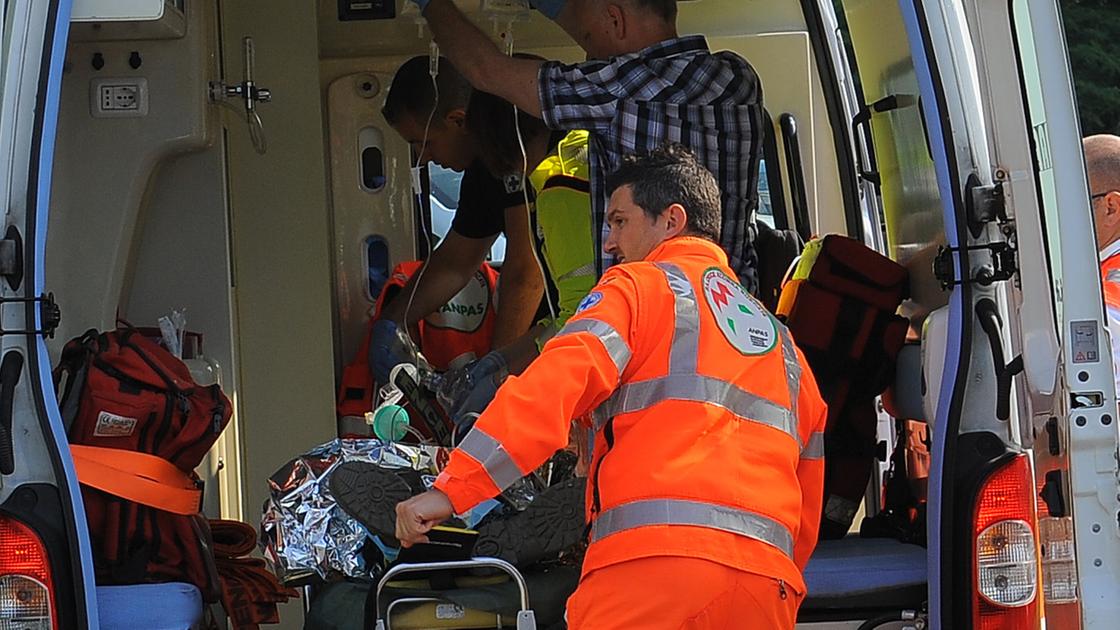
x,y
140,477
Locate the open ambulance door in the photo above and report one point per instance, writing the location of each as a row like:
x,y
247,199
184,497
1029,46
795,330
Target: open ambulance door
x,y
1024,505
1069,381
46,568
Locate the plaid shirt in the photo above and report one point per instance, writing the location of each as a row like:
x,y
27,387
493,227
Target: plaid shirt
x,y
676,90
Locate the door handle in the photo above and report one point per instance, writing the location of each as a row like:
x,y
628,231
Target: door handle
x,y
991,324
10,370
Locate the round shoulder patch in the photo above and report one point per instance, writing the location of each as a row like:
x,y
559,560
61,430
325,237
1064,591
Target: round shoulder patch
x,y
743,321
591,299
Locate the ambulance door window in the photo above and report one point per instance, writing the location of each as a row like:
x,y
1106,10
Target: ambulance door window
x,y
890,120
377,263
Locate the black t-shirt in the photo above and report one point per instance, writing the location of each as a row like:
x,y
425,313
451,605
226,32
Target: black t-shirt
x,y
482,203
483,200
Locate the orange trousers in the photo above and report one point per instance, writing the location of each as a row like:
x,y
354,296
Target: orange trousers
x,y
687,593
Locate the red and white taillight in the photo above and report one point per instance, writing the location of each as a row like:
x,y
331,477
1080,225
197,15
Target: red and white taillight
x,y
25,579
1006,562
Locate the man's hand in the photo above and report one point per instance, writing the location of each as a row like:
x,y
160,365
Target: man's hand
x,y
471,389
418,515
386,350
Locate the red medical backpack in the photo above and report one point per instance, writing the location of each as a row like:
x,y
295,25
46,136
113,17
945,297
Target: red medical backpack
x,y
139,425
840,305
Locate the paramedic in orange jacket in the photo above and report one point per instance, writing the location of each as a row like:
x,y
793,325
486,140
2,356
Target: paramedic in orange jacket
x,y
1102,162
704,496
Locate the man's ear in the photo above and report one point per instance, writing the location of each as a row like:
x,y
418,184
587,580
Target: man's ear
x,y
456,118
1112,208
616,21
676,221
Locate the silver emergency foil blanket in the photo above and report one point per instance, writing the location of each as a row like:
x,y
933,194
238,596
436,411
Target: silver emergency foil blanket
x,y
304,532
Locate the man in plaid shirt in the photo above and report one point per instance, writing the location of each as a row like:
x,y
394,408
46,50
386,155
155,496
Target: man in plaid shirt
x,y
644,86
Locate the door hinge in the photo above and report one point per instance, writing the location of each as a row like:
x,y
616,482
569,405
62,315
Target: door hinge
x,y
984,204
1003,265
49,314
11,257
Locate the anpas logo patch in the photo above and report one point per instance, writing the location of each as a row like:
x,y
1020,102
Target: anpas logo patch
x,y
743,321
466,311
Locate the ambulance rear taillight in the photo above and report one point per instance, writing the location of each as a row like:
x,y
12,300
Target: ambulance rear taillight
x,y
25,579
1006,563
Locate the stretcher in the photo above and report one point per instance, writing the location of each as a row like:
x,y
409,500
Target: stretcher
x,y
525,620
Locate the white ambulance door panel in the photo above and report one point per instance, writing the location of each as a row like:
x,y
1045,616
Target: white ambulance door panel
x,y
40,503
1055,223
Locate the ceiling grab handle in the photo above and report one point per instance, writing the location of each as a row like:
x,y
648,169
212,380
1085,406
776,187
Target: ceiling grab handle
x,y
250,93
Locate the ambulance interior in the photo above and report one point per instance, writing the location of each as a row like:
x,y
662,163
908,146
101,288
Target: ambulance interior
x,y
276,256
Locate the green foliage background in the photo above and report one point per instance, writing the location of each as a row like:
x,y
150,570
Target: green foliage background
x,y
1093,37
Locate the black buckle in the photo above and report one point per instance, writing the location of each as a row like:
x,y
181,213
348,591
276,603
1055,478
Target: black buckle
x,y
49,313
1003,265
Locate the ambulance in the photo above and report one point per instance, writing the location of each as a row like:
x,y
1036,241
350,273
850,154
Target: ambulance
x,y
229,160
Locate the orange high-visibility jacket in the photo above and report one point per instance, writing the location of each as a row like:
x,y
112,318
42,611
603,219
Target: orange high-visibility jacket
x,y
1110,277
709,425
1110,282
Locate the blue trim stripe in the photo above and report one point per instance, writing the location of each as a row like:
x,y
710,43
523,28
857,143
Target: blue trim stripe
x,y
42,205
941,160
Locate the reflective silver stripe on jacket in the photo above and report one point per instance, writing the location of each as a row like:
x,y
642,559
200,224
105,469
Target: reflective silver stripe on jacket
x,y
683,382
793,368
613,342
685,349
696,388
814,448
493,457
679,512
578,272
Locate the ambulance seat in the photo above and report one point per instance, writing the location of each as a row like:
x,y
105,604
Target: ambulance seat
x,y
866,574
904,398
171,606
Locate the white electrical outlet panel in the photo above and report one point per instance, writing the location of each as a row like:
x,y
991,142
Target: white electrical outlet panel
x,y
125,97
117,10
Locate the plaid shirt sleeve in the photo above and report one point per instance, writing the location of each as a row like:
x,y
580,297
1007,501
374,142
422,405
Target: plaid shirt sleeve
x,y
578,96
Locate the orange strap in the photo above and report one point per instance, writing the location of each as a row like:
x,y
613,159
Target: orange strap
x,y
139,477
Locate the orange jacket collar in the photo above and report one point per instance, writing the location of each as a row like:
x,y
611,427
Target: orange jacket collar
x,y
687,246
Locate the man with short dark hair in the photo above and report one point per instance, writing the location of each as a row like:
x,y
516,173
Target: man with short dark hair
x,y
708,470
435,126
645,85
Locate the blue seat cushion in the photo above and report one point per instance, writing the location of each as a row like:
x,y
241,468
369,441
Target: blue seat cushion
x,y
856,572
171,606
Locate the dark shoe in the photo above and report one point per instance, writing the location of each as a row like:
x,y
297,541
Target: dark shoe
x,y
552,523
370,494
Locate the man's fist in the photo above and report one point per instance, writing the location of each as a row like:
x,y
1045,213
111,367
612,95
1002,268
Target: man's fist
x,y
418,515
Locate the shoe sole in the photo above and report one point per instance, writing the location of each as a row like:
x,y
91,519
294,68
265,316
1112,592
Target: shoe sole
x,y
552,523
370,494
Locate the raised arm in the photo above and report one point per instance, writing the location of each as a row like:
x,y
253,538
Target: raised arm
x,y
478,59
